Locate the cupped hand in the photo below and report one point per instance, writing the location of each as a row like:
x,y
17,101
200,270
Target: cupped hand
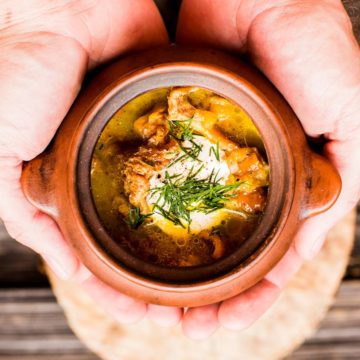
x,y
307,49
46,47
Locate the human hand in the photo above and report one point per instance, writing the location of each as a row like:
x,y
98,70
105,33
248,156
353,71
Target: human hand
x,y
307,49
45,50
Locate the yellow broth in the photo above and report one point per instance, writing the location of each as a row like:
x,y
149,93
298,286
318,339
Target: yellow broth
x,y
156,244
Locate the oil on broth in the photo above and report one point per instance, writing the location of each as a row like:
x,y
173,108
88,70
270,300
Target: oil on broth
x,y
179,177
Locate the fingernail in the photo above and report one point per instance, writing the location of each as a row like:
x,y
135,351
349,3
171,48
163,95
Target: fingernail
x,y
59,270
316,247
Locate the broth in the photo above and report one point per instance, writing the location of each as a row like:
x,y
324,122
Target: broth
x,y
179,177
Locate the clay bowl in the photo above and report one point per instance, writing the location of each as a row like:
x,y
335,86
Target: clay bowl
x,y
302,183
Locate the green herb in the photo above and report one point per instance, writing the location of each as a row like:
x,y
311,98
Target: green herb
x,y
179,195
189,152
168,215
136,218
192,151
181,131
216,150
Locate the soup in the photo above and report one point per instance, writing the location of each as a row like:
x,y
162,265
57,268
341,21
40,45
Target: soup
x,y
179,177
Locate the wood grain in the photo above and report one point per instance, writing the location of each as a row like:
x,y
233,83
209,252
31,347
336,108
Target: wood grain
x,y
18,264
33,327
32,323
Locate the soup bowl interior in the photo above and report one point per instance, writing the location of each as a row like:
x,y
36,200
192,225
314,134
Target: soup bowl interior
x,y
238,91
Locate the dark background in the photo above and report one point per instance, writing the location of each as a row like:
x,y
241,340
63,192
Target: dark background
x,y
33,327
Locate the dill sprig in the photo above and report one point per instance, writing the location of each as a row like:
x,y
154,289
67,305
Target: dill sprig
x,y
136,218
189,152
179,195
181,131
216,150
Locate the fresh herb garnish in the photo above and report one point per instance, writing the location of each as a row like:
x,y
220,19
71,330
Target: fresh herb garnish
x,y
216,150
168,215
180,195
189,152
136,218
182,131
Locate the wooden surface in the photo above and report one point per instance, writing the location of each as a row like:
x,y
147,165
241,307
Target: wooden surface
x,y
33,327
292,319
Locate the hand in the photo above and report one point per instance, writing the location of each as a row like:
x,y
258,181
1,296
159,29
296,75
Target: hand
x,y
307,49
46,47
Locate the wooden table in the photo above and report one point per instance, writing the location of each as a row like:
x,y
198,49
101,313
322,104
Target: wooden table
x,y
33,327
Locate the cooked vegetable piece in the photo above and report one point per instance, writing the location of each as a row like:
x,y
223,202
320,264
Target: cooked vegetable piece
x,y
154,126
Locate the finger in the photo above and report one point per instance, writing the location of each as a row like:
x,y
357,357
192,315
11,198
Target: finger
x,y
201,322
31,227
104,29
123,308
30,118
131,26
114,27
313,232
164,316
286,268
241,311
219,29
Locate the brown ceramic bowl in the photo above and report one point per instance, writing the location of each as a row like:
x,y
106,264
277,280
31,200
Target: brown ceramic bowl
x,y
302,183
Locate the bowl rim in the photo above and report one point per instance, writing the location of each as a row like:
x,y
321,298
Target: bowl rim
x,y
281,162
49,180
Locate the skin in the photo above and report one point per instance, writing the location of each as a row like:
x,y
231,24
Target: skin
x,y
45,50
307,49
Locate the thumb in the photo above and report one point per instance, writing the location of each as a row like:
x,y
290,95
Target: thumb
x,y
344,156
30,226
